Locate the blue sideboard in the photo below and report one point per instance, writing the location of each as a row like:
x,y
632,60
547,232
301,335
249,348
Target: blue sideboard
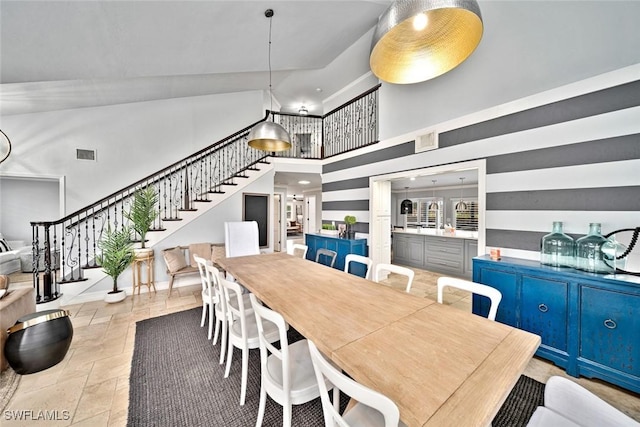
x,y
342,247
589,323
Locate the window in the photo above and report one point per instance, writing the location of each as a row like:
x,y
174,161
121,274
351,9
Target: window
x,y
467,219
422,215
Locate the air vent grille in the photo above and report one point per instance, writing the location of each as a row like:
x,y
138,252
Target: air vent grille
x,y
426,142
82,154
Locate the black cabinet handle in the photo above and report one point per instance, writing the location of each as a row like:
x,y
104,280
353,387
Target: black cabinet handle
x,y
543,308
610,324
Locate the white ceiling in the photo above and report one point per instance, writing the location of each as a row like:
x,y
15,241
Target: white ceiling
x,y
70,54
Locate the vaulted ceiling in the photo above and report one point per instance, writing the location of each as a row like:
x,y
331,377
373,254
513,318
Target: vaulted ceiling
x,y
69,54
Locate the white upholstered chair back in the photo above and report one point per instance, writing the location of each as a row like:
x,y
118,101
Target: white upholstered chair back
x,y
241,238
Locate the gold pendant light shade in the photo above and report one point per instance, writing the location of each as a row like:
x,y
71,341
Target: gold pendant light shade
x,y
417,40
269,136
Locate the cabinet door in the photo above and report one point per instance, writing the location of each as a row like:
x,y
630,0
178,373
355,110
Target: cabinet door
x,y
610,329
507,283
544,310
400,248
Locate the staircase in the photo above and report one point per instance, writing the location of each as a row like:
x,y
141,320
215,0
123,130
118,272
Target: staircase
x,y
187,189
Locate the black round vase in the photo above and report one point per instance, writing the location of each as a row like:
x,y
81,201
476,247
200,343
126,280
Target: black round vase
x,y
38,341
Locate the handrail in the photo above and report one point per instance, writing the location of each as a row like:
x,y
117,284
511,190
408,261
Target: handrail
x,y
71,244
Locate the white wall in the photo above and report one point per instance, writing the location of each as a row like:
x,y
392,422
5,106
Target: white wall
x,y
527,47
132,140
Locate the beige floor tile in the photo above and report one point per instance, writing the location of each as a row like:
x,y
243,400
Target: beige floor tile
x,y
96,399
100,420
110,368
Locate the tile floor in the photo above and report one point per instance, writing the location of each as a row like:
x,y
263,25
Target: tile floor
x,y
91,385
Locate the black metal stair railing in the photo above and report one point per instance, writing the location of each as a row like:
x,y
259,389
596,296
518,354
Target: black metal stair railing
x,y
63,249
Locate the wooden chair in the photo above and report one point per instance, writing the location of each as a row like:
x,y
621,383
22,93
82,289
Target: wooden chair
x,y
243,330
492,293
367,262
372,408
569,404
380,268
298,250
326,253
287,374
178,261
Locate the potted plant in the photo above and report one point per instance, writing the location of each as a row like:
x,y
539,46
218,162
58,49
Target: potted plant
x,y
142,213
329,229
350,220
116,255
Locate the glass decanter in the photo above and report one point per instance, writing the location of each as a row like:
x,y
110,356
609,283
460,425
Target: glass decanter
x,y
589,253
612,254
557,249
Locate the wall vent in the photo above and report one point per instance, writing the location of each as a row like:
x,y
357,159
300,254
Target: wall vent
x,y
426,142
82,154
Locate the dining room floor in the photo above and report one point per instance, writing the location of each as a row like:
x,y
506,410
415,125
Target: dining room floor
x,y
91,385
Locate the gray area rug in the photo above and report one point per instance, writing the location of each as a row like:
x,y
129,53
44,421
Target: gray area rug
x,y
9,381
176,381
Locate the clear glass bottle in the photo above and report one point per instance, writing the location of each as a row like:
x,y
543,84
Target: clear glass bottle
x,y
611,250
589,253
557,249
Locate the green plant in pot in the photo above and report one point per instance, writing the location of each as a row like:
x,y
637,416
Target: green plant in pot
x,y
349,220
116,255
143,212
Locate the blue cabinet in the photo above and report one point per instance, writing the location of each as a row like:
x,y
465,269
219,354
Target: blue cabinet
x,y
342,247
589,323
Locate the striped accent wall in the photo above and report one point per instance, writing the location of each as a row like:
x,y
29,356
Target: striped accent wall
x,y
575,159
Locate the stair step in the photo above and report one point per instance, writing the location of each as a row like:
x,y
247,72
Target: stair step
x,y
187,210
215,192
90,267
202,200
228,183
253,168
84,279
265,162
157,229
172,219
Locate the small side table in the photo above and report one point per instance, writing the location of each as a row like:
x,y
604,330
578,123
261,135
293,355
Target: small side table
x,y
142,259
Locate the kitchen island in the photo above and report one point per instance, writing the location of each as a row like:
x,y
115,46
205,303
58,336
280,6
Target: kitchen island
x,y
436,250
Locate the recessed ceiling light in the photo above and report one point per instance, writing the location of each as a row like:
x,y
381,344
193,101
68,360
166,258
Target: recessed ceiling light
x,y
413,178
304,182
318,89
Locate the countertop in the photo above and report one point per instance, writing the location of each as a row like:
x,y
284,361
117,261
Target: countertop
x,y
458,234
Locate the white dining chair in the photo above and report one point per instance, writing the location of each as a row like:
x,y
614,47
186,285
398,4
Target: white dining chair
x,y
220,310
567,404
241,238
243,330
392,268
287,374
323,254
298,249
493,294
359,259
209,294
372,408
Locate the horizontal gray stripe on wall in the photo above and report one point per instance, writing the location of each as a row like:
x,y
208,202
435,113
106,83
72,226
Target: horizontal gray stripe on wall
x,y
590,104
358,227
346,205
579,199
347,184
394,152
514,239
620,148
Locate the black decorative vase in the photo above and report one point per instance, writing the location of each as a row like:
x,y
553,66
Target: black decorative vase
x,y
38,341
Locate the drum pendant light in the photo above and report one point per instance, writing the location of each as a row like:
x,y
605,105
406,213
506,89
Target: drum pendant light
x,y
406,207
269,136
417,40
461,205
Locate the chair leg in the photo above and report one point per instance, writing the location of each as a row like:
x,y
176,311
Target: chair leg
x,y
286,415
245,372
229,357
171,284
216,332
224,339
263,402
204,314
210,306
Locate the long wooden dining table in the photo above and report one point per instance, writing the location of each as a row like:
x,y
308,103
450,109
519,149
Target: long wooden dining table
x,y
442,366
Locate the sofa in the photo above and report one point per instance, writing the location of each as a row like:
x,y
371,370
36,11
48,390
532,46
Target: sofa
x,y
14,304
10,254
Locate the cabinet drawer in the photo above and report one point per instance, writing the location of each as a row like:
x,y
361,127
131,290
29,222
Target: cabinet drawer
x,y
610,329
440,263
544,310
444,246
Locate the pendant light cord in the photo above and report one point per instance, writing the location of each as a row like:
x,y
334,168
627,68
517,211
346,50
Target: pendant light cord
x,y
270,90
